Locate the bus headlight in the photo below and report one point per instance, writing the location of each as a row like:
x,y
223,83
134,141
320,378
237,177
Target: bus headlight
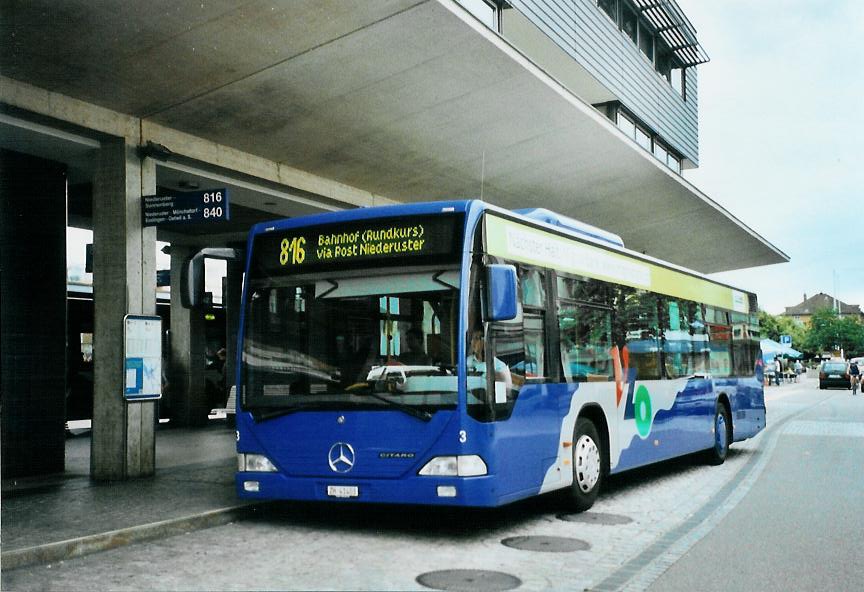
x,y
455,466
255,463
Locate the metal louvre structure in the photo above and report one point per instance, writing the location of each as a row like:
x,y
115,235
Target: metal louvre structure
x,y
671,24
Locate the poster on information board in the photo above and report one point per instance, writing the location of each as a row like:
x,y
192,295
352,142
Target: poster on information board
x,y
142,339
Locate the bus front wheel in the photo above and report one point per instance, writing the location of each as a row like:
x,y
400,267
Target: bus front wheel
x,y
587,465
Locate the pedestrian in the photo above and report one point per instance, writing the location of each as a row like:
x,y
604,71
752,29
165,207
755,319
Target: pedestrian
x,y
778,370
799,369
854,377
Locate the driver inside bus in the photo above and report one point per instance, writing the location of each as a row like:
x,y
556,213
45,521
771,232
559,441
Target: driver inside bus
x,y
476,362
416,354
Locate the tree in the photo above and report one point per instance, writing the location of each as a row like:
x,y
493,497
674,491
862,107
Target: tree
x,y
829,332
773,327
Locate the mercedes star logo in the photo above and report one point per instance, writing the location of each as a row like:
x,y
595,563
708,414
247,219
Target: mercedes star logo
x,y
341,457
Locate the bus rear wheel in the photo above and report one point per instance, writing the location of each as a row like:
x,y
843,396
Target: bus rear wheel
x,y
587,465
716,455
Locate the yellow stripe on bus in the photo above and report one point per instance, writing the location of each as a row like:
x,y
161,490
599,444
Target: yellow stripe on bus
x,y
511,240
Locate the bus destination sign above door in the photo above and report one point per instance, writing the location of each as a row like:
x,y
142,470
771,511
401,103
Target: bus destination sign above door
x,y
188,207
407,240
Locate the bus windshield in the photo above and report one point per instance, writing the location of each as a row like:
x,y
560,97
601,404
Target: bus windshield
x,y
349,340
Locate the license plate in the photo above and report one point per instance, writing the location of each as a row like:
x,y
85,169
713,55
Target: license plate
x,y
343,490
833,376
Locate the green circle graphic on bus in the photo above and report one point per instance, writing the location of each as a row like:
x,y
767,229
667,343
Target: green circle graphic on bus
x,y
642,404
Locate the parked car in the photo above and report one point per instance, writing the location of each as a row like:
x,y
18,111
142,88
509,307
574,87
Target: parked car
x,y
834,374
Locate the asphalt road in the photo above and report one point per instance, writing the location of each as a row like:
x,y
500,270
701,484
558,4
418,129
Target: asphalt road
x,y
783,512
801,526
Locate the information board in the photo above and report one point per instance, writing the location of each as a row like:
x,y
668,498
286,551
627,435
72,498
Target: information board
x,y
142,339
189,207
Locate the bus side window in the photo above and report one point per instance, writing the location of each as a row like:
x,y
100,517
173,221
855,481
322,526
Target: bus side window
x,y
755,342
533,290
743,354
719,342
509,342
533,314
585,330
636,326
681,337
520,343
701,353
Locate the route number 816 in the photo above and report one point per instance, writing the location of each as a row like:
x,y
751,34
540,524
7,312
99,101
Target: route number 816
x,y
292,250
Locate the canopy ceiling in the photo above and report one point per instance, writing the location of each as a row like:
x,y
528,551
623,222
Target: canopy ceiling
x,y
409,100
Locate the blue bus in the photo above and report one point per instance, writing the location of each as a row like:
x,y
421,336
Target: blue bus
x,y
457,353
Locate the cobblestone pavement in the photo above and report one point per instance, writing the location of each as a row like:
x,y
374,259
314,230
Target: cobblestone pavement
x,y
313,547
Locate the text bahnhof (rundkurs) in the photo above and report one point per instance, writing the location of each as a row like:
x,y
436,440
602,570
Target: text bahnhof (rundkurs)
x,y
396,239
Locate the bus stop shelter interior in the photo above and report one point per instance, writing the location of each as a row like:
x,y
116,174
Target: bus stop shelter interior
x,y
296,109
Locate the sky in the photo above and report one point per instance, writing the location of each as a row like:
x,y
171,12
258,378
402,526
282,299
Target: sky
x,y
781,138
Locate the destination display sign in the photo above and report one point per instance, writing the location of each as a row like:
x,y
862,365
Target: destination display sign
x,y
392,241
188,207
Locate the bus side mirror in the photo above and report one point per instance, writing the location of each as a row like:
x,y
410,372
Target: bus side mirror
x,y
192,274
501,293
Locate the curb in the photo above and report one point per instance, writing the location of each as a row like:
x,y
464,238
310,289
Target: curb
x,y
77,547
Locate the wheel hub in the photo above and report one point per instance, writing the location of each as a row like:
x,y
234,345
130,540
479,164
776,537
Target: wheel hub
x,y
586,460
720,435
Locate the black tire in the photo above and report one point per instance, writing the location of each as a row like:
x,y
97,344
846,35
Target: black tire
x,y
722,430
588,465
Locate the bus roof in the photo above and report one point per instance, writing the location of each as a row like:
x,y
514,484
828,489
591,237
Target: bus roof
x,y
577,226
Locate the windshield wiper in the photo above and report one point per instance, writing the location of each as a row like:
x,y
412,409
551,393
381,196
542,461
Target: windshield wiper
x,y
264,414
412,411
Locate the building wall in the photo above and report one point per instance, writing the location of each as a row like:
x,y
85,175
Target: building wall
x,y
590,37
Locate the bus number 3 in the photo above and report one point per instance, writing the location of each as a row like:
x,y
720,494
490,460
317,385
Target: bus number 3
x,y
463,436
293,249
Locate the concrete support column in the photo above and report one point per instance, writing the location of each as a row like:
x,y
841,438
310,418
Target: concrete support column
x,y
188,397
124,282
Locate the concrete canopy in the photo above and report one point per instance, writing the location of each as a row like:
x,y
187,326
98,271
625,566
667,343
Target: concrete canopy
x,y
409,100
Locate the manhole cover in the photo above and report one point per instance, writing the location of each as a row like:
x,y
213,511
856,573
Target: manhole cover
x,y
468,580
596,518
548,544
